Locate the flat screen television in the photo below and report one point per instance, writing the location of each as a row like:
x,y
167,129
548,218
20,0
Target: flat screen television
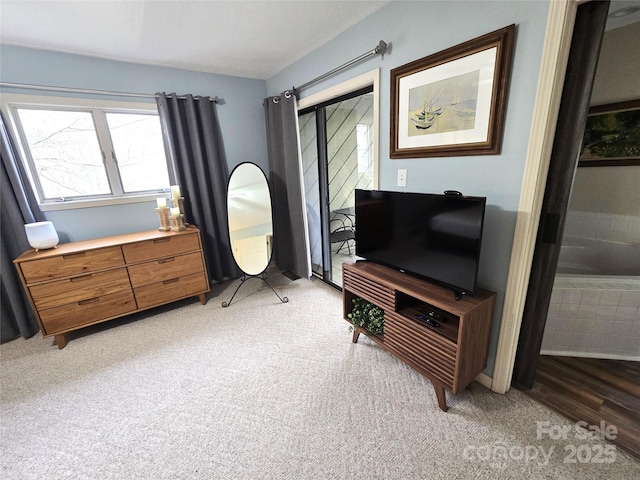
x,y
433,236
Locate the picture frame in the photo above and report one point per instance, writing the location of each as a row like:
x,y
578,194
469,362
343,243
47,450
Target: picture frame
x,y
611,136
452,102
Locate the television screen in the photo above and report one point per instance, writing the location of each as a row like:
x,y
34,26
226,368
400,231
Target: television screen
x,y
436,237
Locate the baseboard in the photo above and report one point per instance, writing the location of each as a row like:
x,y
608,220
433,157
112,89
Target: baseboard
x,y
484,380
605,356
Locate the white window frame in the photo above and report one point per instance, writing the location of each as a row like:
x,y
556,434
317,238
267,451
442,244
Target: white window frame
x,y
10,103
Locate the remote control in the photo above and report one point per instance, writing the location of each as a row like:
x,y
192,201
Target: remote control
x,y
426,320
432,314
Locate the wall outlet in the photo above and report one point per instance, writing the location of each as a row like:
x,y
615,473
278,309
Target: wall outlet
x,y
402,177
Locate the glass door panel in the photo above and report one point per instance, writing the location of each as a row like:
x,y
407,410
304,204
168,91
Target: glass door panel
x,y
350,165
309,149
337,155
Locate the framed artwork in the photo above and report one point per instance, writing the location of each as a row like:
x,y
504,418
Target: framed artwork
x,y
612,136
452,102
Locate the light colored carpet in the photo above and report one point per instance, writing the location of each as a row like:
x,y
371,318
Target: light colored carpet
x,y
263,390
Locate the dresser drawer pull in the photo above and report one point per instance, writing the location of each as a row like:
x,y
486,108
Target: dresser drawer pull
x,y
70,256
161,240
166,260
81,278
88,301
173,280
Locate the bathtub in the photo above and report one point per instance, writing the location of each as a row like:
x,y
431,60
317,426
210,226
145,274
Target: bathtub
x,y
589,256
595,303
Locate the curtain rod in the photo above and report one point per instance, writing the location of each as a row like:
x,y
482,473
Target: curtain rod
x,y
85,91
380,49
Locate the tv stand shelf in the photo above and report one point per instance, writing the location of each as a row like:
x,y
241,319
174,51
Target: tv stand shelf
x,y
450,353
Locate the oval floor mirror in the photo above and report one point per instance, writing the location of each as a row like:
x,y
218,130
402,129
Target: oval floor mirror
x,y
250,224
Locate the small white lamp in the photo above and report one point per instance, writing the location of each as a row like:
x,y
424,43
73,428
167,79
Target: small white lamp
x,y
41,235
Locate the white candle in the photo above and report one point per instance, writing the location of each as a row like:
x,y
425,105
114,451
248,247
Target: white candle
x,y
162,202
174,211
175,191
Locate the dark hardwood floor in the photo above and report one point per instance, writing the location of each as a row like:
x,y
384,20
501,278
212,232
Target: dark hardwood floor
x,y
592,390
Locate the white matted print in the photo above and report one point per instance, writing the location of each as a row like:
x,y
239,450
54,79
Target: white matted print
x,y
452,103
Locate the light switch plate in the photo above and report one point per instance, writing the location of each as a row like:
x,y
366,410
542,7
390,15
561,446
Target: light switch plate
x,y
402,177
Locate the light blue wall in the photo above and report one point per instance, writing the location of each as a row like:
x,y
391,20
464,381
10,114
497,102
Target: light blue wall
x,y
417,29
414,29
241,119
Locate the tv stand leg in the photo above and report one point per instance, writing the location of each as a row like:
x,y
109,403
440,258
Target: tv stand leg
x,y
440,395
356,334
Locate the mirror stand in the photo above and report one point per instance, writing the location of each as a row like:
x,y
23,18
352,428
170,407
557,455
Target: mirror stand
x,y
263,277
250,224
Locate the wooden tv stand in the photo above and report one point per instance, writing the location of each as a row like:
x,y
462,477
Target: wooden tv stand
x,y
450,355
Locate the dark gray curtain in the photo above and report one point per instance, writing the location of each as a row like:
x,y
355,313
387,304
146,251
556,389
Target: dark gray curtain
x,y
289,232
17,207
591,19
194,143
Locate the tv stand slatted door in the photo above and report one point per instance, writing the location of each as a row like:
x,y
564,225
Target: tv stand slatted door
x,y
452,354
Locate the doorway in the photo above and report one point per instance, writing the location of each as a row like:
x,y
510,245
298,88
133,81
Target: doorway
x,y
581,67
581,310
337,146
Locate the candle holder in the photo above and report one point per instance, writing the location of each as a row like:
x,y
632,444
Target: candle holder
x,y
178,223
178,202
163,213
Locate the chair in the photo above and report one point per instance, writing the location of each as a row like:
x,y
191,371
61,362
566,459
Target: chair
x,y
342,235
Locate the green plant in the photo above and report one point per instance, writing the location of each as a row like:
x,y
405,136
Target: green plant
x,y
366,315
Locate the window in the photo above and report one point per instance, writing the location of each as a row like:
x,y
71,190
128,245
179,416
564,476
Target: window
x,y
86,153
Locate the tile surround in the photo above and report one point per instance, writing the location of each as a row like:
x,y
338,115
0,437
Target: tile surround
x,y
599,322
596,316
603,226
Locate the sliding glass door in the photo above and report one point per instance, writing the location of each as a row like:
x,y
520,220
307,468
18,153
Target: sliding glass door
x,y
336,139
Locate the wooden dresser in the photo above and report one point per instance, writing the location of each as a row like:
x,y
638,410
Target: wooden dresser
x,y
83,283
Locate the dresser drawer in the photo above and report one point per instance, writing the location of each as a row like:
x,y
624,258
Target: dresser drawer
x,y
86,312
66,265
169,290
160,247
76,289
165,269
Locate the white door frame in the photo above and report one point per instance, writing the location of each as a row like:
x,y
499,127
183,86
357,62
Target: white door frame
x,y
371,78
555,54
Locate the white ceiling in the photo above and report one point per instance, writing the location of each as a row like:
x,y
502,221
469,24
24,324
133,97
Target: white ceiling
x,y
254,39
